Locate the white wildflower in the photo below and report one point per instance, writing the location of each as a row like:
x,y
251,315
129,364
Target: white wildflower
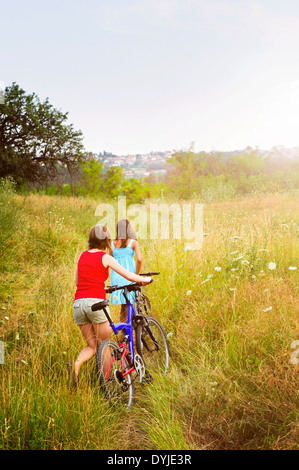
x,y
6,318
218,268
292,268
189,292
213,384
272,265
267,309
239,257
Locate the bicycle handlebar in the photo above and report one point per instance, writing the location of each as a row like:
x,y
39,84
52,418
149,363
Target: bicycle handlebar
x,y
149,274
133,286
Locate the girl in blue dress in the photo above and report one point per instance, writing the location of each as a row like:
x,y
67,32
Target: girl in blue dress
x,y
124,248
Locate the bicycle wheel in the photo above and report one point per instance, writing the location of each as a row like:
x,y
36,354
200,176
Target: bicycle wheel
x,y
117,390
152,345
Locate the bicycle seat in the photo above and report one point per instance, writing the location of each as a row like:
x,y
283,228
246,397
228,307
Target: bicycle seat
x,y
100,305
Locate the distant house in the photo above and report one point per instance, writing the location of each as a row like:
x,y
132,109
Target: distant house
x,y
117,161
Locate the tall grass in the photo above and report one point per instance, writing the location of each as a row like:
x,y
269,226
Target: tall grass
x,y
232,384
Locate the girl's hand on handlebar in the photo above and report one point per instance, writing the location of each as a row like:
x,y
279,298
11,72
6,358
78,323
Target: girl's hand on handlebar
x,y
146,280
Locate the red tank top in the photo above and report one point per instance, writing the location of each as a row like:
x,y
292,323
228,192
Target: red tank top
x,y
91,276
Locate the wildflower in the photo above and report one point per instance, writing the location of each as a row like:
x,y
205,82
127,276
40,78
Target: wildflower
x,y
239,257
292,268
218,268
267,309
189,292
272,265
213,384
6,318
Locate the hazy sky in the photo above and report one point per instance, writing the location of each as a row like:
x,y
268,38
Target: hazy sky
x,y
142,75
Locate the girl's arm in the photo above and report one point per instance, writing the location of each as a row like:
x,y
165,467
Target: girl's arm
x,y
109,261
136,248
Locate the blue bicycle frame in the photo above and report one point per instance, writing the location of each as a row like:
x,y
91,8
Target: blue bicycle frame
x,y
127,327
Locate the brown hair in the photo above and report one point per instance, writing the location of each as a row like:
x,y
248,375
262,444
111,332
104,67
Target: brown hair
x,y
124,231
99,237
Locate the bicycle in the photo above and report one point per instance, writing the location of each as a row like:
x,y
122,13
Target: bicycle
x,y
118,365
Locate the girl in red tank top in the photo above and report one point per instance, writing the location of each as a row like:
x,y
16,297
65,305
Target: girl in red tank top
x,y
91,274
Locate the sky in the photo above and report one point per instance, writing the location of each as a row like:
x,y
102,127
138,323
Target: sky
x,y
153,75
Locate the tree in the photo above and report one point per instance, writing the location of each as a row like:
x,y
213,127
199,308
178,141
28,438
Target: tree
x,y
111,182
92,177
35,139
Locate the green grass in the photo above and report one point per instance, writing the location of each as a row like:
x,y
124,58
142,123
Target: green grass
x,y
232,384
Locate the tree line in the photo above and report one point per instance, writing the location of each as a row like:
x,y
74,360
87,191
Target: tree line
x,y
41,151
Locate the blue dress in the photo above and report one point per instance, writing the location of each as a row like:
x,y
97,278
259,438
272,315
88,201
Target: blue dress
x,y
125,257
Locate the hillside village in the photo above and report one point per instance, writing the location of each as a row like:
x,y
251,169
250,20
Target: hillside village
x,y
154,163
136,166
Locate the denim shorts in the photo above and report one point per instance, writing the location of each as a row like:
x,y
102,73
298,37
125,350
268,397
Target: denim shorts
x,y
84,314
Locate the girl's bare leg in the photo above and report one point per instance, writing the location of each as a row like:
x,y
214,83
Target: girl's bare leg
x,y
102,332
94,333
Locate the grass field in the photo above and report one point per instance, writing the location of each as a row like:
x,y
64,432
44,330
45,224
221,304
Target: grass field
x,y
234,379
